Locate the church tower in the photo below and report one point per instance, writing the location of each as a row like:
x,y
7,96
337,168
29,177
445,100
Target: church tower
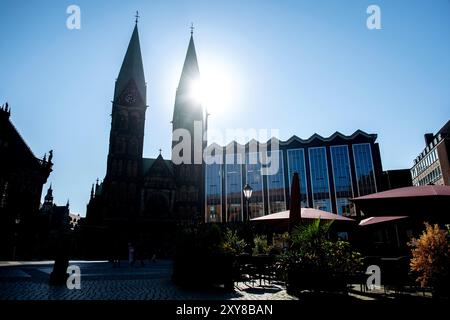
x,y
189,126
126,139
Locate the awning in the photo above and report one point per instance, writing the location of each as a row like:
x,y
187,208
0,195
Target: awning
x,y
374,220
408,192
306,213
421,203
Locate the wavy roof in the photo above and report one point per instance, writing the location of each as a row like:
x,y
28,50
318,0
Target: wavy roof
x,y
312,138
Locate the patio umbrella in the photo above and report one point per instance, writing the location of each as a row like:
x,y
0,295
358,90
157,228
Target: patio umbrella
x,y
376,220
418,202
295,205
306,213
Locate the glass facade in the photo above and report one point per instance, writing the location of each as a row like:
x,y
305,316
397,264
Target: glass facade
x,y
320,186
365,175
233,188
296,163
342,179
254,178
275,185
330,174
213,193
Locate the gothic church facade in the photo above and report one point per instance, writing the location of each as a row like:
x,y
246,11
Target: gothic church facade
x,y
136,191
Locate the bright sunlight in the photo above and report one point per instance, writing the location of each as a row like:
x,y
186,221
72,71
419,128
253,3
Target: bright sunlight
x,y
216,89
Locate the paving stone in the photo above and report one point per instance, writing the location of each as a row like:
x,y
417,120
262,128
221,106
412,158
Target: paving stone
x,y
100,281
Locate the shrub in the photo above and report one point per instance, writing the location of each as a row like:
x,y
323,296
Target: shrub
x,y
341,257
261,246
430,256
315,262
205,257
232,243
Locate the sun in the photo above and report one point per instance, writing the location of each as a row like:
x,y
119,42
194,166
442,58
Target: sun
x,y
215,89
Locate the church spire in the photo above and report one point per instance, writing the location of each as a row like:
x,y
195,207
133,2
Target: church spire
x,y
189,81
132,67
190,68
49,196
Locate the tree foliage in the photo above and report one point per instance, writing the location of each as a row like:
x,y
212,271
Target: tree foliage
x,y
314,261
430,256
232,243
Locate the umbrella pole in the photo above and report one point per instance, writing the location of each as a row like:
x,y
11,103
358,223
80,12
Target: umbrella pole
x,y
396,234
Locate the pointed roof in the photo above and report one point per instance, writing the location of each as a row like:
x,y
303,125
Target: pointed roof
x,y
190,68
19,153
49,195
150,164
189,75
132,67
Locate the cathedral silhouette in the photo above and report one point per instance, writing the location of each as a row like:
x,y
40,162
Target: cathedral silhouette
x,y
141,197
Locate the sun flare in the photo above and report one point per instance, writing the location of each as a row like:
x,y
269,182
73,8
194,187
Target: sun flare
x,y
215,90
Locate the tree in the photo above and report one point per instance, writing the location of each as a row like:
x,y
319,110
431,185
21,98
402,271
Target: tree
x,y
430,256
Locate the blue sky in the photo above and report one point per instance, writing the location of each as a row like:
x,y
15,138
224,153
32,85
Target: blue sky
x,y
298,66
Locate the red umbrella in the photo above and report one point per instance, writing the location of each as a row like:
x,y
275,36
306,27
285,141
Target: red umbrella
x,y
376,220
306,213
294,214
421,203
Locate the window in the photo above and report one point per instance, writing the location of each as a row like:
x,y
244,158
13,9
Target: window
x,y
342,179
275,185
319,179
365,175
233,187
296,163
255,179
213,193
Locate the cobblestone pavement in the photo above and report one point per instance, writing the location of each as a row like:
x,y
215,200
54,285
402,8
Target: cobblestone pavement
x,y
100,281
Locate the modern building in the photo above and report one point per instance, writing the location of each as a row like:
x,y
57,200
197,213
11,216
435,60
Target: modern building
x,y
432,165
332,170
22,177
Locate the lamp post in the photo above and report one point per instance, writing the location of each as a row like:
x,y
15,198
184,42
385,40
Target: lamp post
x,y
247,194
212,214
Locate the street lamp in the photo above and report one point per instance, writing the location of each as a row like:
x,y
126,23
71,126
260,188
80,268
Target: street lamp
x,y
212,214
247,194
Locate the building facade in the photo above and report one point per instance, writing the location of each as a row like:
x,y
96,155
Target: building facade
x,y
432,165
22,177
147,191
331,170
138,193
53,222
